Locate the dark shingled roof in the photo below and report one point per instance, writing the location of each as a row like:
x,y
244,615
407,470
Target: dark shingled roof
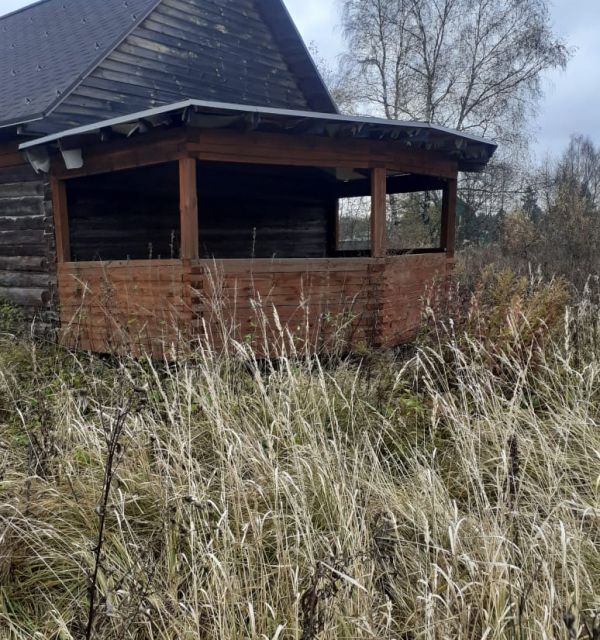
x,y
45,49
69,62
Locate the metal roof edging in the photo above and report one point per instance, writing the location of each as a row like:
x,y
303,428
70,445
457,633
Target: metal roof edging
x,y
148,113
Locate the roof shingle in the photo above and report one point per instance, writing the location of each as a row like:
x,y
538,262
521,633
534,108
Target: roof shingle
x,y
64,63
47,47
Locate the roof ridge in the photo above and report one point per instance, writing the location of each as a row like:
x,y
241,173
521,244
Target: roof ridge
x,y
25,8
152,5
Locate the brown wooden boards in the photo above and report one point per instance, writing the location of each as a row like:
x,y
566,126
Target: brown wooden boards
x,y
122,307
154,148
281,149
254,148
153,306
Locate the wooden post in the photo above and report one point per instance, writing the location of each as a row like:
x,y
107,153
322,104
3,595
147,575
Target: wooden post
x,y
60,213
449,218
188,205
378,212
333,232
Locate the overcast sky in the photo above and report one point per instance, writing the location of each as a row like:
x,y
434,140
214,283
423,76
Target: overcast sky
x,y
572,102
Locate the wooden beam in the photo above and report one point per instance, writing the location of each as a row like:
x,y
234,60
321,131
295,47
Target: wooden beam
x,y
105,157
188,205
61,219
254,148
313,151
378,212
449,217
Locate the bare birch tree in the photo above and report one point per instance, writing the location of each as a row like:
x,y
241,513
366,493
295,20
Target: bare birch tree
x,y
473,65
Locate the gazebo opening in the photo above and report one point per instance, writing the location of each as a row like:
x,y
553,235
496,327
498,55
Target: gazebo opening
x,y
249,211
125,215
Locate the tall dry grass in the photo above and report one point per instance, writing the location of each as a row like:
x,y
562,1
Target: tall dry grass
x,y
428,498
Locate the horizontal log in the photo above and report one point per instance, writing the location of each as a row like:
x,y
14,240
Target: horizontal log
x,y
36,222
11,146
32,297
27,206
24,237
20,189
12,160
34,250
23,263
24,279
20,173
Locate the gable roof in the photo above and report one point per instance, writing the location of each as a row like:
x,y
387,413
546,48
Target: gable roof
x,y
68,62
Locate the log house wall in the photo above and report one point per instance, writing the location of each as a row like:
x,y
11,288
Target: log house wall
x,y
247,211
27,247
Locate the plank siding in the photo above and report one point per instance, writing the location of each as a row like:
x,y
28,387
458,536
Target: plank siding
x,y
122,307
221,50
27,253
264,229
250,211
406,281
140,306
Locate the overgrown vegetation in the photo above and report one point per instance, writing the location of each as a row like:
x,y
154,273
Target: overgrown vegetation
x,y
454,493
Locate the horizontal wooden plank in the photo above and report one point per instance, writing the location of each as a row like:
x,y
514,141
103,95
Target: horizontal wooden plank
x,y
25,206
36,222
12,160
125,264
21,189
24,279
156,148
281,149
380,300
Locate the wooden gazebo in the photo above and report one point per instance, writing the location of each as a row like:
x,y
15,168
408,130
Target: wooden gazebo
x,y
178,222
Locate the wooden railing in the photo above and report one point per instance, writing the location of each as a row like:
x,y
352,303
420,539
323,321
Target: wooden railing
x,y
137,306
